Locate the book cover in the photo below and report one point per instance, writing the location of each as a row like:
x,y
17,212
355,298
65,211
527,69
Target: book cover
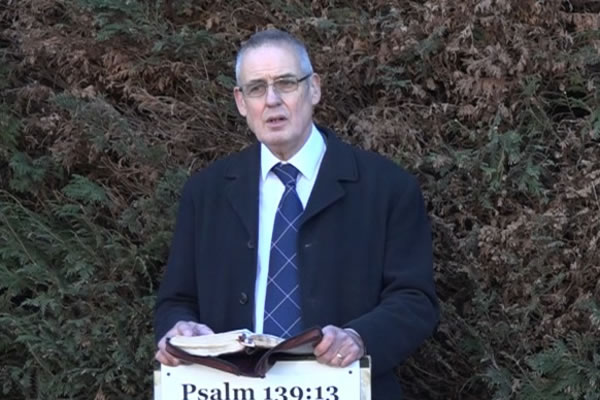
x,y
242,352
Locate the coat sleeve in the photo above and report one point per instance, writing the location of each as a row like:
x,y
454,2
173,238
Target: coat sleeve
x,y
177,295
408,312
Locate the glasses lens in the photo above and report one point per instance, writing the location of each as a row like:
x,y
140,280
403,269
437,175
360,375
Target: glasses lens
x,y
256,89
282,85
286,84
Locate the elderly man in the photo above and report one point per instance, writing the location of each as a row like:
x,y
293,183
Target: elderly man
x,y
299,230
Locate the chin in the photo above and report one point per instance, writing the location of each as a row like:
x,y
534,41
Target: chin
x,y
275,138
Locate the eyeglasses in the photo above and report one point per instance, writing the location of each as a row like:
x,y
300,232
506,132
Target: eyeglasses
x,y
286,84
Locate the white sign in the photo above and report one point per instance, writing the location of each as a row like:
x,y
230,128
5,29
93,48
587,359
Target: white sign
x,y
286,380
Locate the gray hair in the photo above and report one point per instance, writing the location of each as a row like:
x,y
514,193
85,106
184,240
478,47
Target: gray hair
x,y
272,36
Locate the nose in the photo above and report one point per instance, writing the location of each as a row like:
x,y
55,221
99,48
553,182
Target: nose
x,y
273,97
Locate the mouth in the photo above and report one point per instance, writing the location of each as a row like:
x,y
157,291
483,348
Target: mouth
x,y
276,121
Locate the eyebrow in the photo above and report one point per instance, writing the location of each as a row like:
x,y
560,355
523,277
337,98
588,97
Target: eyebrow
x,y
288,75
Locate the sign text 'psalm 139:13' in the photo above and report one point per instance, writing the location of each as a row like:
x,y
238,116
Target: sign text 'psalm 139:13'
x,y
287,380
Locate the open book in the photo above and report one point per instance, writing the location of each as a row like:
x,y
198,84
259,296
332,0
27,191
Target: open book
x,y
242,352
226,342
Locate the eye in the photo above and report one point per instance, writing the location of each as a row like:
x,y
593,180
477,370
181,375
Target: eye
x,y
255,89
286,84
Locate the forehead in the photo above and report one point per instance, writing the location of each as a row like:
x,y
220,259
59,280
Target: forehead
x,y
269,61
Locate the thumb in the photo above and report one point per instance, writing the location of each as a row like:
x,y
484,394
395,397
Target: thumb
x,y
185,329
201,329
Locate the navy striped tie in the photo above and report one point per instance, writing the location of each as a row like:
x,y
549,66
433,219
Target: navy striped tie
x,y
283,316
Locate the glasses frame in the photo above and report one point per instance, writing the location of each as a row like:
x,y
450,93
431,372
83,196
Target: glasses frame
x,y
272,83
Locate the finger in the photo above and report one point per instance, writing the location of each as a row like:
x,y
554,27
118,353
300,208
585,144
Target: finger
x,y
201,329
184,329
191,328
343,356
166,359
357,340
163,356
331,357
350,349
338,339
348,359
349,355
181,328
329,336
343,351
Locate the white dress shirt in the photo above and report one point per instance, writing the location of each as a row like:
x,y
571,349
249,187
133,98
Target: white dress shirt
x,y
307,160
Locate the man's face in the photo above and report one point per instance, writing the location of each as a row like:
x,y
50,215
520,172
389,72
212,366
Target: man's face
x,y
280,120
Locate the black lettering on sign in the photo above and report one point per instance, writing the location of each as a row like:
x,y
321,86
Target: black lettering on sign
x,y
215,394
188,388
333,391
281,390
202,394
243,394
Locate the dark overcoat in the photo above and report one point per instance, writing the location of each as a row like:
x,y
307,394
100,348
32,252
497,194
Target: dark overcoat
x,y
364,251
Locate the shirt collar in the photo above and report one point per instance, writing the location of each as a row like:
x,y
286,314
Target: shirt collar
x,y
306,160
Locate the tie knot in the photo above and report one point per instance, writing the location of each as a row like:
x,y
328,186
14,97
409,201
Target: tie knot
x,y
286,173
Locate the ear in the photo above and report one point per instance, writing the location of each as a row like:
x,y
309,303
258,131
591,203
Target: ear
x,y
315,89
240,102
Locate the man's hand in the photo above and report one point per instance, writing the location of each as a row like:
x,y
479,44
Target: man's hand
x,y
339,347
181,328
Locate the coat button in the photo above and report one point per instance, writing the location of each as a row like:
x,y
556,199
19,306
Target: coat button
x,y
243,298
250,244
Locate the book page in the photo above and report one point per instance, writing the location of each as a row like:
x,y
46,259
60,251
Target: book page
x,y
265,340
215,344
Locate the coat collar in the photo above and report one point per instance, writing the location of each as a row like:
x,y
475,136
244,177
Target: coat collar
x,y
242,176
338,165
243,173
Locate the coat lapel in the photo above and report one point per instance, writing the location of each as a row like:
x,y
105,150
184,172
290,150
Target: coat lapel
x,y
242,189
338,165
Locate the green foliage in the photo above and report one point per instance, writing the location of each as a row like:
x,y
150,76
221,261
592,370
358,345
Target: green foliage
x,y
10,130
82,189
569,370
501,380
185,43
107,129
292,9
76,298
29,173
132,18
98,117
594,123
140,20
